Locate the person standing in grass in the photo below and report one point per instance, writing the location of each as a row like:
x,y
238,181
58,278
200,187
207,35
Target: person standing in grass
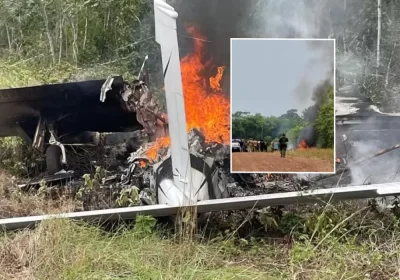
x,y
283,145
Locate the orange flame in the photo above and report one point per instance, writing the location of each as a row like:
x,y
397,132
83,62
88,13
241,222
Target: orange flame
x,y
142,164
302,145
162,142
208,112
215,81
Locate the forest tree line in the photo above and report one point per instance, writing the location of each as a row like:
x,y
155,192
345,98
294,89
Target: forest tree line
x,y
259,127
48,41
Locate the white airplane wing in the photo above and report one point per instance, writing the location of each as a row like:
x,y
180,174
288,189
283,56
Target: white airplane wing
x,y
165,27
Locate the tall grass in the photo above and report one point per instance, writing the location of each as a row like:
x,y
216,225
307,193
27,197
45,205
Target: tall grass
x,y
321,243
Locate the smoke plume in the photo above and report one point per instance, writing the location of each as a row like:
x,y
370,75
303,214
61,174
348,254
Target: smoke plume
x,y
311,113
220,20
309,134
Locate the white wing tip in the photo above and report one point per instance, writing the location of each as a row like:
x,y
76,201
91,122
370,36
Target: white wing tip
x,y
165,8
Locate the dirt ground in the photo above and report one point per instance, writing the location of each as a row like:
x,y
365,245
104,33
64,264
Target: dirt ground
x,y
272,162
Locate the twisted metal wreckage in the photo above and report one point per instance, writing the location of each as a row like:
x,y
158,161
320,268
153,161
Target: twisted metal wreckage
x,y
186,177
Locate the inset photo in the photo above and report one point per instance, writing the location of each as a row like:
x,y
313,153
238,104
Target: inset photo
x,y
282,105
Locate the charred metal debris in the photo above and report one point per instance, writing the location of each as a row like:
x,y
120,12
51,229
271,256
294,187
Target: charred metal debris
x,y
136,180
124,175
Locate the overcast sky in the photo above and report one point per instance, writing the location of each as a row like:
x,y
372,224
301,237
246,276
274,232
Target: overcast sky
x,y
273,76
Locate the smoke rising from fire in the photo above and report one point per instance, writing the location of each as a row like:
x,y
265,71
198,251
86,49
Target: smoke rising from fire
x,y
322,61
381,169
220,20
309,135
311,113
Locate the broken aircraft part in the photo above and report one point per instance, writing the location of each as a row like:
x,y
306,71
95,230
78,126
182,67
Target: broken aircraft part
x,y
165,27
137,97
55,114
73,106
237,203
201,178
60,177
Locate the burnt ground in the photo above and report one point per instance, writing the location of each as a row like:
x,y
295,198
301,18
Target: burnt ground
x,y
272,162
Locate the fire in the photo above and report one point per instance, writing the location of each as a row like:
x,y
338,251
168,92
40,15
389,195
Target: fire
x,y
142,164
215,81
302,145
160,143
205,110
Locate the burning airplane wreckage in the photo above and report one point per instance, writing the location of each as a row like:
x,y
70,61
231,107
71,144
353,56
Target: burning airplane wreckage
x,y
186,154
186,160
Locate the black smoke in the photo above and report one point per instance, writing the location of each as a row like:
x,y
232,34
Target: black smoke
x,y
320,92
221,20
310,135
218,21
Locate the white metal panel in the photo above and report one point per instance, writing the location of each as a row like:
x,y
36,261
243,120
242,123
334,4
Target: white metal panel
x,y
165,27
248,202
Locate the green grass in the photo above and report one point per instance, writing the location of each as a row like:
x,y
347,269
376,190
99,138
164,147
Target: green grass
x,y
325,154
327,244
65,250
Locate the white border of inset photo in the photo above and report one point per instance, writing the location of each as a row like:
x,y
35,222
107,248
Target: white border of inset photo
x,y
334,100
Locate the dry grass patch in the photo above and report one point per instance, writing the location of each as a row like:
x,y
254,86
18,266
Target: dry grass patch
x,y
14,203
21,205
325,154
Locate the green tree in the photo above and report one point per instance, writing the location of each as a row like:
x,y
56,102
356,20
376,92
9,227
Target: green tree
x,y
325,122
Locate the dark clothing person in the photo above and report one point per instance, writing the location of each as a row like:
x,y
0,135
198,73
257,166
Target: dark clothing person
x,y
283,145
241,143
262,146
